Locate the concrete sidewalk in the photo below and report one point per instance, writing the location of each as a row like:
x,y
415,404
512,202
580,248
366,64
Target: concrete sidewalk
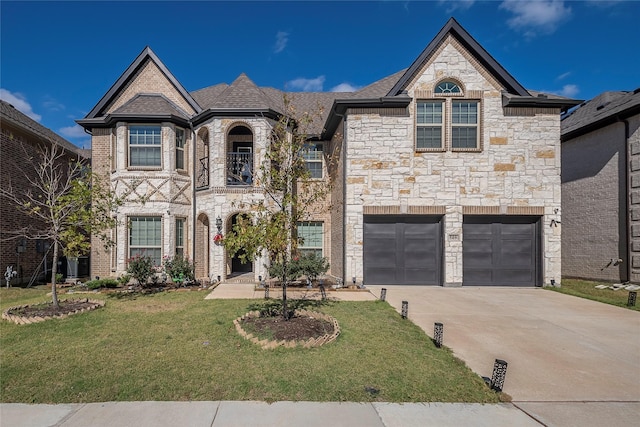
x,y
261,414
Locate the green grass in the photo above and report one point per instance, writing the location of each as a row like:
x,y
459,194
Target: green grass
x,y
178,346
586,289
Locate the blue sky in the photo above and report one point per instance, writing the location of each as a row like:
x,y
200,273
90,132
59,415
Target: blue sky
x,y
57,59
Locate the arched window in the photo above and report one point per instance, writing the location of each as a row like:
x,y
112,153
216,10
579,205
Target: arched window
x,y
448,87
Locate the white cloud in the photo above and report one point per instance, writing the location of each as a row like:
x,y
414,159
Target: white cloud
x,y
344,87
453,5
52,105
569,91
532,17
19,101
563,75
75,131
306,85
282,38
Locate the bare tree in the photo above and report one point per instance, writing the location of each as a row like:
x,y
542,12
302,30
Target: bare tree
x,y
66,202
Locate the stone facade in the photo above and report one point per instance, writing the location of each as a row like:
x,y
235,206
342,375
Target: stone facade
x,y
370,155
518,165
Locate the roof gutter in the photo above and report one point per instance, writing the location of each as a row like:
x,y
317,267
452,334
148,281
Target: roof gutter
x,y
539,102
112,119
235,112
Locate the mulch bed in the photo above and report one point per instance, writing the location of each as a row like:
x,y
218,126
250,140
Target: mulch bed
x,y
299,328
26,314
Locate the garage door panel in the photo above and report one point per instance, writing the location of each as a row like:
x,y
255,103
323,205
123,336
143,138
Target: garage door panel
x,y
501,250
402,249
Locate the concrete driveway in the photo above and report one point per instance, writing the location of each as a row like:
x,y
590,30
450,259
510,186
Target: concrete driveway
x,y
559,348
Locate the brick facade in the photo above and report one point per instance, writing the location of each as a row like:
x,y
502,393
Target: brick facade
x,y
22,139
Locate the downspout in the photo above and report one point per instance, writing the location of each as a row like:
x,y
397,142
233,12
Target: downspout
x,y
627,175
193,192
344,197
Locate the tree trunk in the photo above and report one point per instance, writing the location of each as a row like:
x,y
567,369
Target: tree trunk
x,y
54,271
285,275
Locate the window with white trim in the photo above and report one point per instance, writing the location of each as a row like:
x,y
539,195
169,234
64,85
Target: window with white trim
x,y
180,223
145,145
179,148
449,121
310,237
430,120
145,237
464,123
313,156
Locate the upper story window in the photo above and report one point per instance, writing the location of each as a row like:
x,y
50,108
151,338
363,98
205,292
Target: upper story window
x,y
448,87
430,119
448,121
464,124
313,155
179,148
145,145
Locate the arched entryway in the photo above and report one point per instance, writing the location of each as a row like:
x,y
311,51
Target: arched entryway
x,y
238,267
240,165
202,247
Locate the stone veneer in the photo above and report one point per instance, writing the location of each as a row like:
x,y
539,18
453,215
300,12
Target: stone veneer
x,y
518,165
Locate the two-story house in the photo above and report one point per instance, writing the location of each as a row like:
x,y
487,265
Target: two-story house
x,y
445,173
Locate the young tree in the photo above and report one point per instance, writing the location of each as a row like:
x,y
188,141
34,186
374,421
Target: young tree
x,y
289,195
66,202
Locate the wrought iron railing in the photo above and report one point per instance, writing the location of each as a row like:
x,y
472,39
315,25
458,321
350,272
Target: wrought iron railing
x,y
202,178
239,168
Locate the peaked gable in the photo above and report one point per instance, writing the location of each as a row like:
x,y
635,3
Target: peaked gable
x,y
453,28
144,59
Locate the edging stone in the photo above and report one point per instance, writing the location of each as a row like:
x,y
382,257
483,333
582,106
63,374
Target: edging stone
x,y
266,344
26,320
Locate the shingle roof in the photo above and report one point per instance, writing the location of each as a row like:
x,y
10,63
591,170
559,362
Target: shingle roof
x,y
151,104
600,111
11,115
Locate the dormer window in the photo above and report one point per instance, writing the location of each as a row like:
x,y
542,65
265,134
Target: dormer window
x,y
448,87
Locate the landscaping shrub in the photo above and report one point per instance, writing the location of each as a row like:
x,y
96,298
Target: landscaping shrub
x,y
102,283
179,269
141,268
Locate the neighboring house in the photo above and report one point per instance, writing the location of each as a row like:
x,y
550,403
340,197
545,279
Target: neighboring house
x,y
20,138
601,189
446,173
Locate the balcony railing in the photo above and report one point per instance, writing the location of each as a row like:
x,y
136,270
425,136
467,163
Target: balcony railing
x,y
202,178
239,168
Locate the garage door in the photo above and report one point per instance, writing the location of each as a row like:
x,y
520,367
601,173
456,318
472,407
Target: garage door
x,y
402,250
501,250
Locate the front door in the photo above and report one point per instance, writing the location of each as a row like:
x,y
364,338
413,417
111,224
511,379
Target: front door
x,y
237,266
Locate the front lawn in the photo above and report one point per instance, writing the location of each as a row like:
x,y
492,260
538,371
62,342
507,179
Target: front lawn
x,y
178,346
587,289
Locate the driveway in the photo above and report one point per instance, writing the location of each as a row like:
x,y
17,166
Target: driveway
x,y
559,348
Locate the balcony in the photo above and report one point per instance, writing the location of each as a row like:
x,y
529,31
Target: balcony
x,y
239,168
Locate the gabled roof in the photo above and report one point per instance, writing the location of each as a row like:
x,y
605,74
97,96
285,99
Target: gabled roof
x,y
604,109
143,57
9,114
453,28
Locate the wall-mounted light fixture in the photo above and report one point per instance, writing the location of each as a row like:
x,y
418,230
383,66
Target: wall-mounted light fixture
x,y
219,224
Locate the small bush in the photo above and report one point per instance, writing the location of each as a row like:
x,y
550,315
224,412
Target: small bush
x,y
179,269
102,283
141,268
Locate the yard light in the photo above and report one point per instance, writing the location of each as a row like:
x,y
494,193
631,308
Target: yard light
x,y
438,330
383,294
266,292
631,301
405,309
499,373
323,291
218,279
